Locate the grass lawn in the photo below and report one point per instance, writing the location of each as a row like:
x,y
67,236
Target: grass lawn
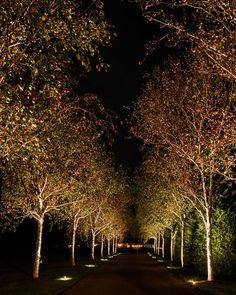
x,y
55,276
218,287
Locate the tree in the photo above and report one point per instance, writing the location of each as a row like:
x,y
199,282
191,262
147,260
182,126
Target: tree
x,y
180,209
69,216
198,130
42,44
154,209
40,190
160,163
44,176
42,39
109,199
206,28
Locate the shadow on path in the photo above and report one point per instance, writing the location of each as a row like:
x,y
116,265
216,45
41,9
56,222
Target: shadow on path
x,y
131,274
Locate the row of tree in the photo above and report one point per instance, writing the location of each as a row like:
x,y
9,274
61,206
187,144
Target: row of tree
x,y
51,157
53,164
62,171
186,117
176,231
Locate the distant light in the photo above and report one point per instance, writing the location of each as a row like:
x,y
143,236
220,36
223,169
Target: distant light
x,y
160,260
104,259
64,278
90,265
154,257
136,246
123,245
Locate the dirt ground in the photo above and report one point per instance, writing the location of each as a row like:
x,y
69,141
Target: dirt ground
x,y
131,274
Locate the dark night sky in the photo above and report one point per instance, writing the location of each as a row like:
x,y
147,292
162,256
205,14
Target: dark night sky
x,y
118,87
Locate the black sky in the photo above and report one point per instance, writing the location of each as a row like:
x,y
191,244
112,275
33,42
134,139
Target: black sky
x,y
120,84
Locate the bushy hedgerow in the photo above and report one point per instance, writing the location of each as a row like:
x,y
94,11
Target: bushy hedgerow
x,y
223,243
195,250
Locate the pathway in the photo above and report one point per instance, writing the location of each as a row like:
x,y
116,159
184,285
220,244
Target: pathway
x,y
131,274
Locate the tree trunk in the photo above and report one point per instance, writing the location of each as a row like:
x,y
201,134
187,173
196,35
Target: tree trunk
x,y
171,245
0,186
93,247
155,246
108,247
73,245
113,245
182,243
163,244
102,246
210,272
116,244
38,246
159,243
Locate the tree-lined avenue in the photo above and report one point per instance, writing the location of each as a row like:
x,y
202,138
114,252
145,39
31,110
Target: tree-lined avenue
x,y
117,126
131,273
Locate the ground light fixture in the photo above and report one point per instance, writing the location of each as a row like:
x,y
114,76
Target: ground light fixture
x,y
193,282
64,278
173,267
90,265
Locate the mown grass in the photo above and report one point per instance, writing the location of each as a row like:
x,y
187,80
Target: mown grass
x,y
219,287
16,277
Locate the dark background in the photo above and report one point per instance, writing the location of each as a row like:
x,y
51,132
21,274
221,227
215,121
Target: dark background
x,y
119,86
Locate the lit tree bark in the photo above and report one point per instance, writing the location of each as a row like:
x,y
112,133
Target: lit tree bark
x,y
159,243
116,244
108,247
171,245
113,245
97,226
75,225
37,258
93,246
163,244
182,243
155,245
76,218
102,246
208,225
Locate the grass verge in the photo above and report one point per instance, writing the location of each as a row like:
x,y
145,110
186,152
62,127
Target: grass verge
x,y
54,278
217,287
